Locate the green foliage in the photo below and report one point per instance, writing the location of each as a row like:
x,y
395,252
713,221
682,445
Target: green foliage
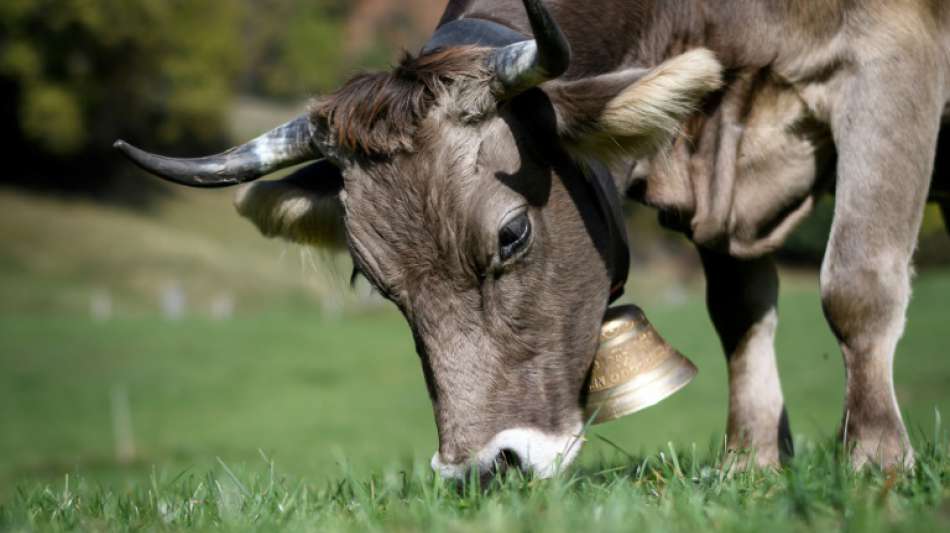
x,y
82,72
53,117
934,246
933,223
77,74
294,47
807,242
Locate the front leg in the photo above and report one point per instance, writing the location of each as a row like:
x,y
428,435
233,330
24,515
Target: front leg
x,y
742,298
886,138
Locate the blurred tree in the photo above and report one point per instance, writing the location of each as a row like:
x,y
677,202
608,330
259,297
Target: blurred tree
x,y
806,245
77,74
293,48
934,245
378,30
297,48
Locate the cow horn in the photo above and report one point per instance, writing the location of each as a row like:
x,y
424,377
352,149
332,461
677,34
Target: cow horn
x,y
281,147
525,64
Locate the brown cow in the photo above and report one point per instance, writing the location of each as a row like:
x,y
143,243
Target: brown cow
x,y
458,183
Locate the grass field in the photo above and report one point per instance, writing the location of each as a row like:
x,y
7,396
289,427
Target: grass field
x,y
292,413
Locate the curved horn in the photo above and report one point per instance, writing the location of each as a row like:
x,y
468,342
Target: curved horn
x,y
525,64
281,147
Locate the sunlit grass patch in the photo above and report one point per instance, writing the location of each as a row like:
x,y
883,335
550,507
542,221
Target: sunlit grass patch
x,y
672,491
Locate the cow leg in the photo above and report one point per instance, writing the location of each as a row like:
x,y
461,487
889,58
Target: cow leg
x,y
742,298
886,144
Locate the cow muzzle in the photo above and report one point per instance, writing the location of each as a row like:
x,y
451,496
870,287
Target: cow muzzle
x,y
533,451
634,367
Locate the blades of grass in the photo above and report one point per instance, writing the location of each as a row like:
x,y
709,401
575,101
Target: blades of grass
x,y
177,477
270,470
675,458
616,446
473,486
693,463
641,471
937,437
234,479
610,470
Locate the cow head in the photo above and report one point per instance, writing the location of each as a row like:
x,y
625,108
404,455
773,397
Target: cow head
x,y
456,183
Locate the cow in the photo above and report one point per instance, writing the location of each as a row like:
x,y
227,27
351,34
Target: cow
x,y
459,182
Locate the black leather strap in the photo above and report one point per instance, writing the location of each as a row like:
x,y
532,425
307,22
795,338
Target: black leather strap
x,y
618,251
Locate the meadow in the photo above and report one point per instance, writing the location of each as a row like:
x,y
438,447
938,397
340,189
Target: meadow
x,y
277,397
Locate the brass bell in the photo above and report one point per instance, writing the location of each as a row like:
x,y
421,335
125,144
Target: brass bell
x,y
634,367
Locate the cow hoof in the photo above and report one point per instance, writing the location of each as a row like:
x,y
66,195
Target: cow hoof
x,y
884,445
767,458
888,454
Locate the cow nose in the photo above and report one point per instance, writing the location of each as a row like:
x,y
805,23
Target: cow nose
x,y
451,466
533,451
507,458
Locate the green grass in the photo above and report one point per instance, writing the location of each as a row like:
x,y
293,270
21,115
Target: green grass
x,y
337,402
673,491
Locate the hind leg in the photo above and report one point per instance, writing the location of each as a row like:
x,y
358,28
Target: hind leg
x,y
886,143
742,298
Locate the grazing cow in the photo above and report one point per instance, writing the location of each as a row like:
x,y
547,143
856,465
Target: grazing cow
x,y
462,184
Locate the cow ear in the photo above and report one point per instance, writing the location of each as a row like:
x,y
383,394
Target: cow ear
x,y
633,112
304,207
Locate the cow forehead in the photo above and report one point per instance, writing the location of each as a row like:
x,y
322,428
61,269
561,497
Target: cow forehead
x,y
432,209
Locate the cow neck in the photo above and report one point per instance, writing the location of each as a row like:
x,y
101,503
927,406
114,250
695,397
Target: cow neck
x,y
481,32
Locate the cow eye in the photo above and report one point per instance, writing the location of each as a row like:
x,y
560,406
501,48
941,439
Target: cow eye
x,y
513,236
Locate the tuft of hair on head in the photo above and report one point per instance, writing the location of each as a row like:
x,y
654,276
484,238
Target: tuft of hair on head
x,y
378,113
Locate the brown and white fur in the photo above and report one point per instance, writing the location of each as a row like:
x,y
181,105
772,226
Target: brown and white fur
x,y
816,96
